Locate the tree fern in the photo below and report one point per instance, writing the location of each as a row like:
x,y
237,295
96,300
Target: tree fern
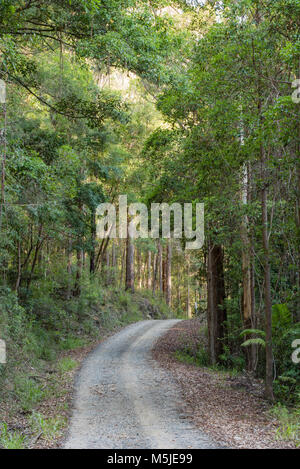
x,y
257,341
252,331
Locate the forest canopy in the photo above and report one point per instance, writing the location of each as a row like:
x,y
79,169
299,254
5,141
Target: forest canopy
x,y
167,102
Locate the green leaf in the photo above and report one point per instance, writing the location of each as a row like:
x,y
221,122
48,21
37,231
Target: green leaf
x,y
252,331
256,341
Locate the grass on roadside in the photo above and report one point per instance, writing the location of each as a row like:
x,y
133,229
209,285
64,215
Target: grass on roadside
x,y
199,358
66,364
49,329
289,423
47,428
11,440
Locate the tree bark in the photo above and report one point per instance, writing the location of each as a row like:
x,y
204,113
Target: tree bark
x,y
69,269
178,288
155,267
248,308
129,281
188,301
38,246
113,254
77,287
160,266
297,316
18,282
265,234
149,270
216,313
93,244
139,268
267,278
169,274
123,262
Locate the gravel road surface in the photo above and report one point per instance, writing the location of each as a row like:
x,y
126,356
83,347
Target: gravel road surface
x,y
124,400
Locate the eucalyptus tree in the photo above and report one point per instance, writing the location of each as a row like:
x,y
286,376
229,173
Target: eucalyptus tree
x,y
233,110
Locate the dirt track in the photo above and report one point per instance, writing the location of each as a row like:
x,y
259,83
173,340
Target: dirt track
x,y
124,399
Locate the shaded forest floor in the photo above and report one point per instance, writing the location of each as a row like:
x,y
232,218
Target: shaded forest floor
x,y
36,385
45,427
228,408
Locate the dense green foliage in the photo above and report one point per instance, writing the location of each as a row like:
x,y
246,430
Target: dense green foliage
x,y
232,113
166,101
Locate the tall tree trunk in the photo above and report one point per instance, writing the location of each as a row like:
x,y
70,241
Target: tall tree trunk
x,y
107,268
254,318
145,279
297,316
77,287
267,278
113,254
123,264
141,283
265,234
216,313
164,275
18,282
69,269
113,262
248,308
38,246
129,282
160,266
139,268
178,287
169,274
103,258
3,145
188,302
93,243
155,267
29,251
149,271
102,250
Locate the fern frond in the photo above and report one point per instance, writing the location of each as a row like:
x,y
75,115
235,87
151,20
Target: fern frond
x,y
252,331
257,341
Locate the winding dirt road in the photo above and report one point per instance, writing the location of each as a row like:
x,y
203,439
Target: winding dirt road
x,y
124,400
